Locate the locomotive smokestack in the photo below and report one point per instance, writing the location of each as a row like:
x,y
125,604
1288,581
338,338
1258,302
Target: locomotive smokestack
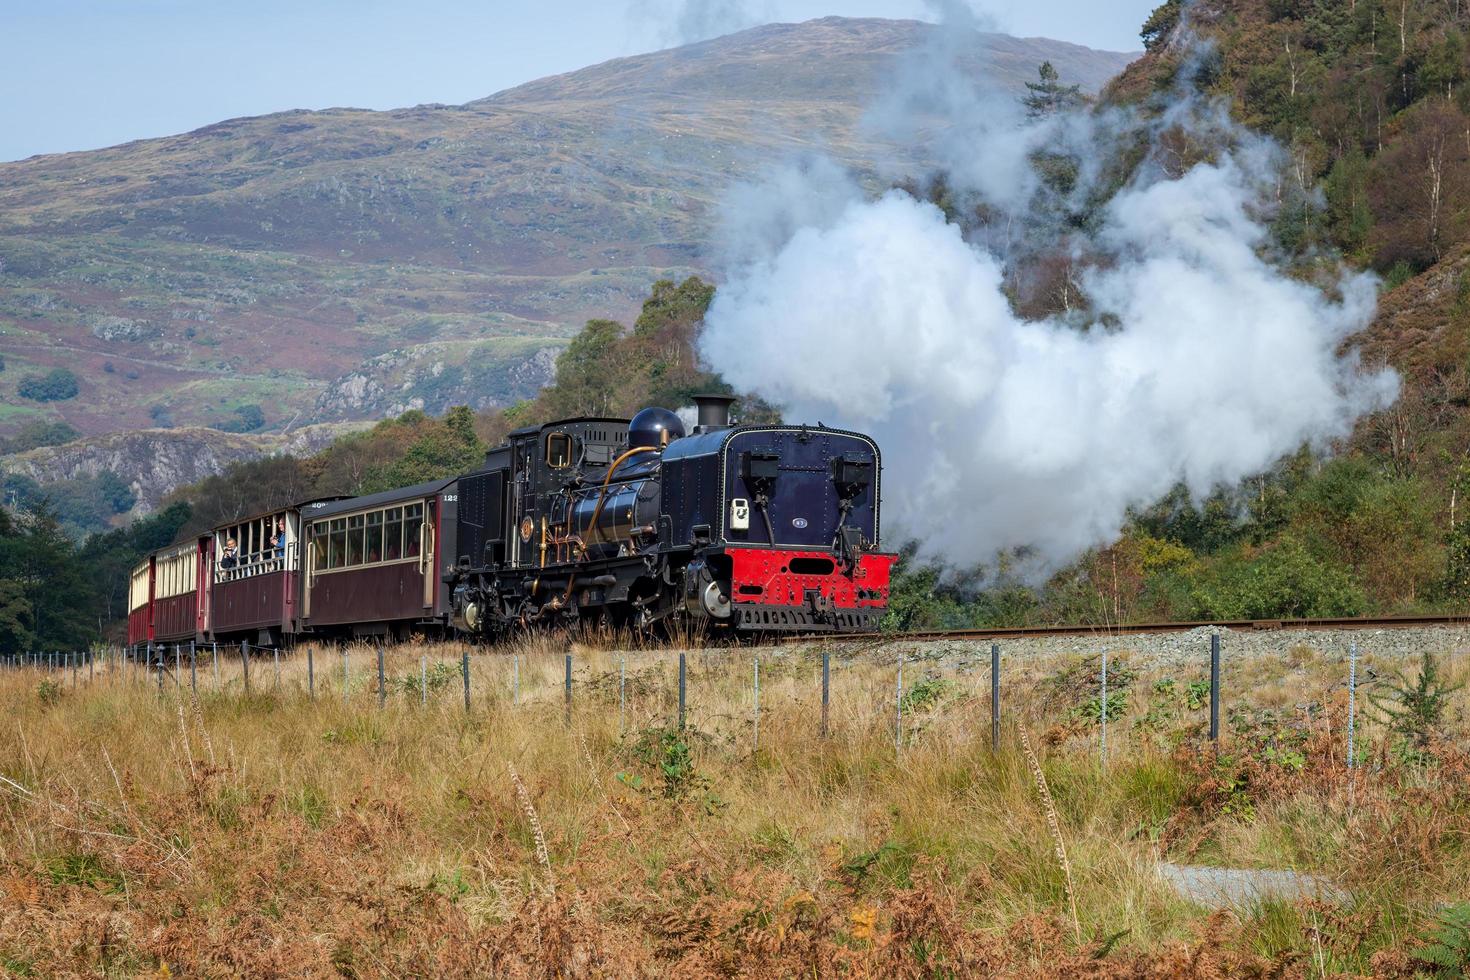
x,y
714,411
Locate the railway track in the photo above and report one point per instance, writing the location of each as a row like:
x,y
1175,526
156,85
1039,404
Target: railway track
x,y
1239,625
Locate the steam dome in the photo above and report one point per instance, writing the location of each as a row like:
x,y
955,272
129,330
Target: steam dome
x,y
654,427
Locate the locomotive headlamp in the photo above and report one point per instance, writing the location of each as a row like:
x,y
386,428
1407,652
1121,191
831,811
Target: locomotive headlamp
x,y
852,472
762,466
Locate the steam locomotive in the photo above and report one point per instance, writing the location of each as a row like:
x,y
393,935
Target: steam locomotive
x,y
604,522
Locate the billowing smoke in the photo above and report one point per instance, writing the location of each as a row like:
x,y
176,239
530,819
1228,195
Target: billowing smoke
x,y
1195,357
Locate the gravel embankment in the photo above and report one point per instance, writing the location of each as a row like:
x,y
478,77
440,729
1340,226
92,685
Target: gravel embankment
x,y
1173,650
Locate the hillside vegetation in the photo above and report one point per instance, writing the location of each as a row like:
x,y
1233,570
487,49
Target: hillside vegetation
x,y
345,264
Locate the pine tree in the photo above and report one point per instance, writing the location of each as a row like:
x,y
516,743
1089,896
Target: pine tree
x,y
1049,95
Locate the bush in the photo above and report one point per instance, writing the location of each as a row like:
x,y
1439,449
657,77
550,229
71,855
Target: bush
x,y
56,385
1285,582
247,418
38,433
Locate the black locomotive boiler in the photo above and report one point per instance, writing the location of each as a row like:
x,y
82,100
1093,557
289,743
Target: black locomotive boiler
x,y
631,523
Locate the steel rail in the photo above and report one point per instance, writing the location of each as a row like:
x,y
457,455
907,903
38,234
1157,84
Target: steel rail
x,y
1256,625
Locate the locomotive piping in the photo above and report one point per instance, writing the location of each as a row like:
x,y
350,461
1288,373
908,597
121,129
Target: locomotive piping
x,y
602,497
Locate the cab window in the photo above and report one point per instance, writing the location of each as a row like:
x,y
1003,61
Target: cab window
x,y
558,450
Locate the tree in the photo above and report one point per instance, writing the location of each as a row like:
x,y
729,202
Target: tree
x,y
56,385
447,448
247,418
588,372
1163,20
45,582
1049,96
38,432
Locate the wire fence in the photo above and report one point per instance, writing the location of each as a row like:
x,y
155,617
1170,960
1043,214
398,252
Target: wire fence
x,y
826,690
1104,694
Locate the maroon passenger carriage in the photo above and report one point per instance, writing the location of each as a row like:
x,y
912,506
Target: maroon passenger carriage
x,y
180,593
374,564
256,598
192,592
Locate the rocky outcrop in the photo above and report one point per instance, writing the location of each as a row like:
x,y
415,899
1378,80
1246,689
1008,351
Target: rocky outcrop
x,y
434,377
155,462
115,329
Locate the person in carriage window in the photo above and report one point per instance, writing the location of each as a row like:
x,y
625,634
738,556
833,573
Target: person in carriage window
x,y
230,557
278,541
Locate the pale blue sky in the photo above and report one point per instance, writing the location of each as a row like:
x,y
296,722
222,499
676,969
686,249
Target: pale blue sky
x,y
80,74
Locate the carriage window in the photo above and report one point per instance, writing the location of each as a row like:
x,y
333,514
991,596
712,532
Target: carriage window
x,y
375,536
338,548
393,534
413,522
354,540
319,546
558,450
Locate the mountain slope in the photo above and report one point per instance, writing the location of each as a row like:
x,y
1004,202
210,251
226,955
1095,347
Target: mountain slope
x,y
343,264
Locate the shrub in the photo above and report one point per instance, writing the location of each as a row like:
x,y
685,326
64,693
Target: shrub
x,y
38,433
56,385
1284,582
1415,710
247,418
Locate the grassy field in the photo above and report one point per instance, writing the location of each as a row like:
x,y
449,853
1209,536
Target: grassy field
x,y
148,832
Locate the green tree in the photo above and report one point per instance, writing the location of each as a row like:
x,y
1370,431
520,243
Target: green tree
x,y
449,447
588,372
56,385
1349,218
1159,23
1048,95
39,561
36,433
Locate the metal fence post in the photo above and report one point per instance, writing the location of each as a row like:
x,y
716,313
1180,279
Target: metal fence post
x,y
568,683
178,667
276,655
757,733
1352,697
622,693
682,672
826,688
245,663
464,669
382,681
898,708
214,651
193,667
423,680
1103,710
344,675
995,697
515,681
310,673
1215,689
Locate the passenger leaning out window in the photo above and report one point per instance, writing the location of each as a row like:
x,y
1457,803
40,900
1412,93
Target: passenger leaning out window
x,y
230,557
279,540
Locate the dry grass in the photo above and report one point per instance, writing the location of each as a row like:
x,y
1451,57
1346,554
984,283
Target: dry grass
x,y
278,834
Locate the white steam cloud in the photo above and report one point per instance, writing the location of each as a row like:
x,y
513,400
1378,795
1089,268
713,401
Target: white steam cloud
x,y
1200,359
